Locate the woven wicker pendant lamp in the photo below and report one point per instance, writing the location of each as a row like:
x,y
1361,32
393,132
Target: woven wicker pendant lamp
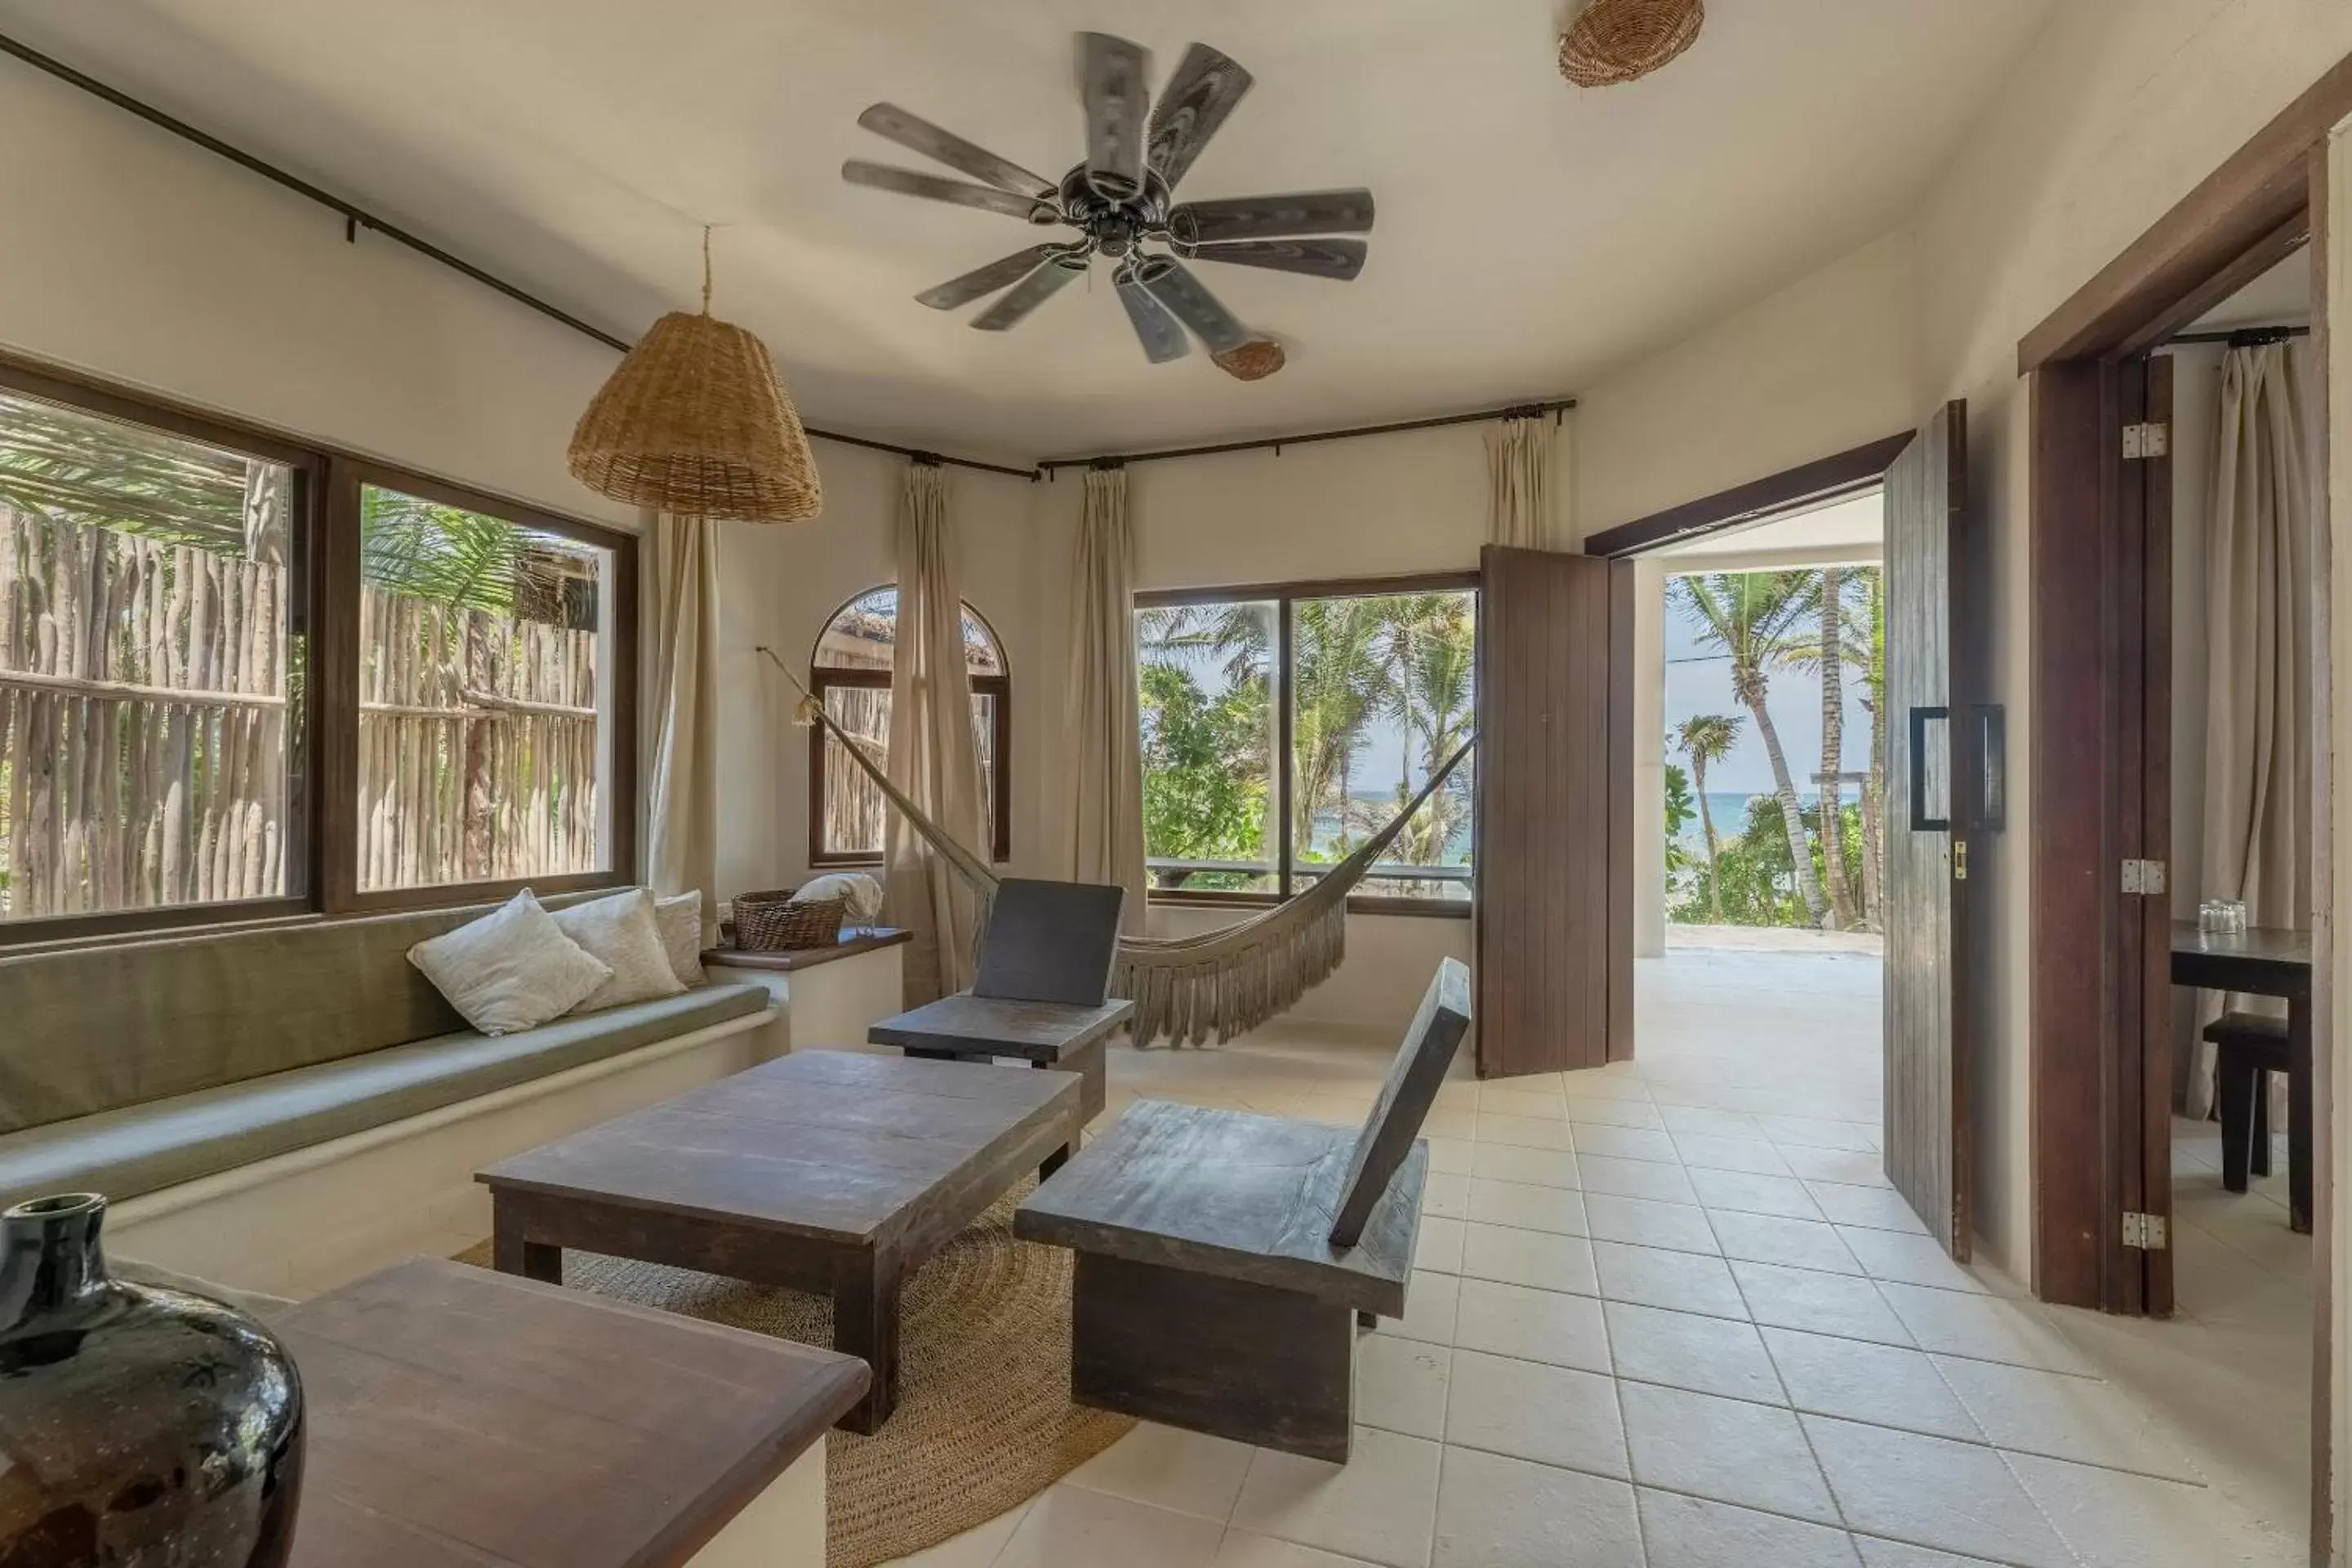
x,y
1614,41
694,422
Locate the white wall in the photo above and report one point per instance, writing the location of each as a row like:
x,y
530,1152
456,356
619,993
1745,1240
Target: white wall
x,y
2117,111
1826,365
779,584
137,256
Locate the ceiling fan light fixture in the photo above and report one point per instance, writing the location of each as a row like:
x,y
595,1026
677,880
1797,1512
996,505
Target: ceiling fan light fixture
x,y
1616,41
694,422
1252,361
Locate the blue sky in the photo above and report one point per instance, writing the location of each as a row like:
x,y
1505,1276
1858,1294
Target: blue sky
x,y
1698,680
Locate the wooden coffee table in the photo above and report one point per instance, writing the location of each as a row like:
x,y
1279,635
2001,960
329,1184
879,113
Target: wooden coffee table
x,y
460,1419
823,1171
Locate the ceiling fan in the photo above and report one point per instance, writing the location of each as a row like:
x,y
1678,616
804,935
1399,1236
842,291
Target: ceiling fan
x,y
1121,201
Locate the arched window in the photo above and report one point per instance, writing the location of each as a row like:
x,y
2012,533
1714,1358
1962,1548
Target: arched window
x,y
851,675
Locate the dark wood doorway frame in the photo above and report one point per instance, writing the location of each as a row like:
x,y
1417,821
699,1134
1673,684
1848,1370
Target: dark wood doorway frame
x,y
2099,606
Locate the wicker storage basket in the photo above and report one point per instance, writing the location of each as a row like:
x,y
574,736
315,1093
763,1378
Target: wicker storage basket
x,y
772,923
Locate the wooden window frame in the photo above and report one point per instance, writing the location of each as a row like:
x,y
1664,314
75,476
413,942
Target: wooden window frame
x,y
823,679
304,533
1284,596
322,782
337,667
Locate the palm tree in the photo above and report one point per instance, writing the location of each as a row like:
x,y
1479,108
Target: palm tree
x,y
1754,617
1706,738
1341,684
1831,661
1434,641
1866,648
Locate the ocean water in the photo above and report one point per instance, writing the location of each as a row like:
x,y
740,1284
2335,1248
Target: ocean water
x,y
1730,809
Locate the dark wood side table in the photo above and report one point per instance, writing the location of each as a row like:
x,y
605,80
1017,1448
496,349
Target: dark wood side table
x,y
461,1419
2264,962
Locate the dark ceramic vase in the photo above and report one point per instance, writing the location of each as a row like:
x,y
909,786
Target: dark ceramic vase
x,y
140,1427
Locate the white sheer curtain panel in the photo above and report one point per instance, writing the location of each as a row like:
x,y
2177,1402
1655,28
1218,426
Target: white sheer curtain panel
x,y
2258,667
1106,760
934,756
679,620
1519,483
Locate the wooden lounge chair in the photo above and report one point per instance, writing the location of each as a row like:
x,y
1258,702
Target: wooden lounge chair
x,y
1040,993
1224,1257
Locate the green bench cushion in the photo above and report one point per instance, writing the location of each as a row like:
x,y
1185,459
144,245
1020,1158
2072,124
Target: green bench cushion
x,y
143,1148
98,1028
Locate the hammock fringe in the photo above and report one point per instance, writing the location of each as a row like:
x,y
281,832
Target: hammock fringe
x,y
1222,983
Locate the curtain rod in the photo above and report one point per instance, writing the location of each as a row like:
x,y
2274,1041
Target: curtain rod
x,y
1115,460
356,218
2242,337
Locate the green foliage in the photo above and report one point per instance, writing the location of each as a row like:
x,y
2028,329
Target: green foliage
x,y
1205,783
1755,874
1405,658
1679,812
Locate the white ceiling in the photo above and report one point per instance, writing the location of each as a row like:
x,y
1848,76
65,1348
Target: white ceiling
x,y
1854,529
2280,297
1530,234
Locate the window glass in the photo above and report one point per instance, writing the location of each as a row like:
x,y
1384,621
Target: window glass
x,y
485,708
1210,822
151,590
852,674
1382,692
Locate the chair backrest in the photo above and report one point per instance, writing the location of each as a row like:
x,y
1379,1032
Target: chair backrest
x,y
1050,941
1412,1089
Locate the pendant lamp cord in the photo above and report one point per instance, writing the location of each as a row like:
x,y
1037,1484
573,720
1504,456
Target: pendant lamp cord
x,y
706,269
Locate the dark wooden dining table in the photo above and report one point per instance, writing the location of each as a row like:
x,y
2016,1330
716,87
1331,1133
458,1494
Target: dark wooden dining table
x,y
2264,962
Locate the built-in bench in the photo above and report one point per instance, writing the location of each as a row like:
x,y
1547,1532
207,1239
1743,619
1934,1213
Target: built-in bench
x,y
286,1107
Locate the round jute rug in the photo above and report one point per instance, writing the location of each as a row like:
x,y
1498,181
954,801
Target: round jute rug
x,y
984,1418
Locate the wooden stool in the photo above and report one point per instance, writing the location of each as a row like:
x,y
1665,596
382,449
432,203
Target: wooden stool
x,y
2247,1048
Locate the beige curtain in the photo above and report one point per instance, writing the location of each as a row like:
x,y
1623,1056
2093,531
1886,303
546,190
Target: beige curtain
x,y
678,743
1106,763
933,755
2258,694
1519,483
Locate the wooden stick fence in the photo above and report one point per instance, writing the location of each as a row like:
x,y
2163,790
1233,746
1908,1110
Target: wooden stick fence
x,y
142,722
477,744
143,727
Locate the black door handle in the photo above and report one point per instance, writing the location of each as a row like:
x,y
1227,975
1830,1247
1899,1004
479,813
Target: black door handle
x,y
1920,821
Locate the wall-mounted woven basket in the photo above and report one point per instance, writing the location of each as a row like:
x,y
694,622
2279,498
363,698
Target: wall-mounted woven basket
x,y
774,922
1614,41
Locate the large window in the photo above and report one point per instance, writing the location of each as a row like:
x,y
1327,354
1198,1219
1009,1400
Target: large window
x,y
1282,728
151,590
242,678
851,676
483,650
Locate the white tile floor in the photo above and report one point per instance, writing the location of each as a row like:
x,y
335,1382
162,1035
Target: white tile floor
x,y
1666,1314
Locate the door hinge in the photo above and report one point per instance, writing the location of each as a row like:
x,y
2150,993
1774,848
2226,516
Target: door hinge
x,y
2148,1232
1959,860
2145,878
2146,441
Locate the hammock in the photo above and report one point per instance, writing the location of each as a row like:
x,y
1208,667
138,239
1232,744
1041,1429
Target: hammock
x,y
1224,982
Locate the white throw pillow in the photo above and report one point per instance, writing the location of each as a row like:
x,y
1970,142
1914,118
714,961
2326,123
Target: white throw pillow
x,y
512,969
680,919
619,931
861,894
